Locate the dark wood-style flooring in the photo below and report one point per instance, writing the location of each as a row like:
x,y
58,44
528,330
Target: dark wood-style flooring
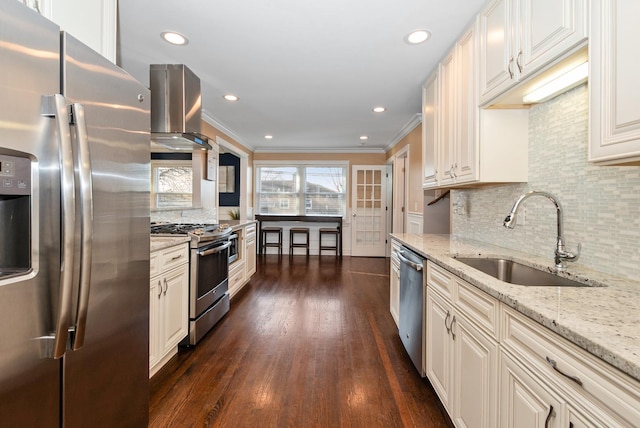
x,y
308,342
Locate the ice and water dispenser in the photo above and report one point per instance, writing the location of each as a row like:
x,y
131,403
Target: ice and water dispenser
x,y
15,209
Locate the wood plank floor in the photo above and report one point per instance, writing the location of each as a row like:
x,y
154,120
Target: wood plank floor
x,y
309,342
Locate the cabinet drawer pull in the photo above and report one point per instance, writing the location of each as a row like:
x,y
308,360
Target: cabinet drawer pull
x,y
518,61
549,416
554,365
509,68
159,289
176,257
166,286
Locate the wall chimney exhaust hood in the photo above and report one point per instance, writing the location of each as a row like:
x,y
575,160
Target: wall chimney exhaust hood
x,y
176,104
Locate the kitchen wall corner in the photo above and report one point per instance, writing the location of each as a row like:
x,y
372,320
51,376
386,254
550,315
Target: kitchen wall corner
x,y
601,203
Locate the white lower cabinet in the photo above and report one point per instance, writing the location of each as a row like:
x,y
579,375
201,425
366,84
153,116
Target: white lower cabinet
x,y
492,366
394,282
462,356
241,270
526,402
168,304
250,250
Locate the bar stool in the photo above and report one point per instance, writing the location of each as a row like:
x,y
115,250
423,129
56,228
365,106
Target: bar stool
x,y
298,231
329,231
265,233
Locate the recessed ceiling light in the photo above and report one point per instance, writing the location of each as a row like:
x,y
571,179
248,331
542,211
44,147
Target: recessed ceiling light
x,y
364,137
379,109
417,37
231,97
174,38
268,137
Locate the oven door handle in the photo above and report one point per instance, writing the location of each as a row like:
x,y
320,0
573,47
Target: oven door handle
x,y
214,250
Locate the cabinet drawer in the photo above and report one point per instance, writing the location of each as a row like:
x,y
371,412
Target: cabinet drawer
x,y
236,277
250,231
478,307
612,391
174,256
440,279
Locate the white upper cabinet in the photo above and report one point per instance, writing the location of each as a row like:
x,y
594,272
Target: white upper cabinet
x,y
429,131
614,86
520,37
464,145
93,22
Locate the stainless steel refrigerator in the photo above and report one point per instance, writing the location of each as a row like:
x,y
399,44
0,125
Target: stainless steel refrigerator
x,y
74,232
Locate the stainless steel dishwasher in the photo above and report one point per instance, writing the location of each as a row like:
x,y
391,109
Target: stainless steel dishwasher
x,y
412,306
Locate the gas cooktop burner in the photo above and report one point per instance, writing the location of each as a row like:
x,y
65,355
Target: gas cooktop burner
x,y
200,233
184,228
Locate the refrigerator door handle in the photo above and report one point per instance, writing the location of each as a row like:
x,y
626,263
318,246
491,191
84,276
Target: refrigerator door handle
x,y
56,106
86,206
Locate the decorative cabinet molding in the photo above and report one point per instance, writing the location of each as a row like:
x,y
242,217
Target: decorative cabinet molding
x,y
614,88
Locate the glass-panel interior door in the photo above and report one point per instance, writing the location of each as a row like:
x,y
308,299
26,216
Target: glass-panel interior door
x,y
369,211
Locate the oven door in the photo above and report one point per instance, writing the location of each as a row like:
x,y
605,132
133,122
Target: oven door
x,y
209,275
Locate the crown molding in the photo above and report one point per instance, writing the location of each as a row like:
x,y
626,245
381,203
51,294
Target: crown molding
x,y
223,128
356,150
406,129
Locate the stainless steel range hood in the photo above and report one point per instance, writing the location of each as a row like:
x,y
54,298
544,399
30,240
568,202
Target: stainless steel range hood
x,y
176,104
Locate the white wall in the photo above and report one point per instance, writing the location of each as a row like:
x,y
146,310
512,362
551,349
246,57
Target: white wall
x,y
601,203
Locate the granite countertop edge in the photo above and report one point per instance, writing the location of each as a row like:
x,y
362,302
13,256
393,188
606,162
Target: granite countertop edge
x,y
606,324
157,243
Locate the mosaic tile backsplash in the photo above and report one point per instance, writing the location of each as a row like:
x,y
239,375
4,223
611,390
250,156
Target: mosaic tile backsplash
x,y
601,203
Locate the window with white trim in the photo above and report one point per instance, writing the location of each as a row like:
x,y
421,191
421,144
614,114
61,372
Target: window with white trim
x,y
307,189
171,184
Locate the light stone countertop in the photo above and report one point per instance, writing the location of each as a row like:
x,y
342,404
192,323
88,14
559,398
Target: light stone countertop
x,y
162,242
603,319
238,224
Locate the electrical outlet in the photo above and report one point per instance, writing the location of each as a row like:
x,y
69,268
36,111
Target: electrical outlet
x,y
521,216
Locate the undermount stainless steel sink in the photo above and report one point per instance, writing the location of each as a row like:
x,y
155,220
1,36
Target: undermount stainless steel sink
x,y
517,273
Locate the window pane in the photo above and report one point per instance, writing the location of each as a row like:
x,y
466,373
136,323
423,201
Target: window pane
x,y
325,180
278,190
173,186
325,190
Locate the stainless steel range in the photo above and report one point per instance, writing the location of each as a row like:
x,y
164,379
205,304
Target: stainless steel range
x,y
209,274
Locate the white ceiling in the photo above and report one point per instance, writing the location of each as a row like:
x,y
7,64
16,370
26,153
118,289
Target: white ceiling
x,y
307,72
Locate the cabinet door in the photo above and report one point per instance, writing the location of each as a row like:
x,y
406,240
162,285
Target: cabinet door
x,y
439,347
429,132
475,376
524,401
496,49
447,105
174,314
614,87
394,291
548,29
250,254
155,294
465,142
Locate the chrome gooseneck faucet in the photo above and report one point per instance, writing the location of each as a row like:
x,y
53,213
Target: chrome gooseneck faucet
x,y
561,254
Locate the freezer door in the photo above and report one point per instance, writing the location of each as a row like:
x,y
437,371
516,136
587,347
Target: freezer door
x,y
29,68
106,380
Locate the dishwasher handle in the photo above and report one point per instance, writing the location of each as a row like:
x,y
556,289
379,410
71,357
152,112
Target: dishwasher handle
x,y
405,260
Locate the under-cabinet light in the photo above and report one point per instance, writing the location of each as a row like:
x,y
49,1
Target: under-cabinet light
x,y
558,84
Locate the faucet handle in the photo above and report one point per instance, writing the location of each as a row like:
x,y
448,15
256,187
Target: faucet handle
x,y
569,256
